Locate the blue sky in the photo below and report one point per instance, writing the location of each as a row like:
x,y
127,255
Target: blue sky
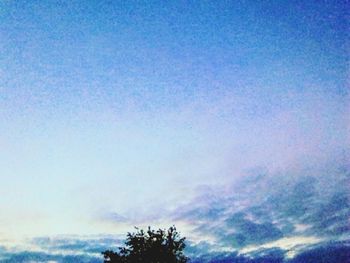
x,y
199,110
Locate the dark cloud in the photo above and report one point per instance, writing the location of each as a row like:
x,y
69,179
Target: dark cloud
x,y
25,257
257,209
338,252
329,253
332,217
333,252
250,232
62,249
272,256
264,207
90,245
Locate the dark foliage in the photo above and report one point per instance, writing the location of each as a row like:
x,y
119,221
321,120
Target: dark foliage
x,y
150,246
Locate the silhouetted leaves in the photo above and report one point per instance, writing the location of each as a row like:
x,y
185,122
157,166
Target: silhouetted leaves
x,y
161,246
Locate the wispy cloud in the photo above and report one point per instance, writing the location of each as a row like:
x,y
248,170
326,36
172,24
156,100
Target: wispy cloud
x,y
266,210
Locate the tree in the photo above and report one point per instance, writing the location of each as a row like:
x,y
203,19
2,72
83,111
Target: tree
x,y
150,247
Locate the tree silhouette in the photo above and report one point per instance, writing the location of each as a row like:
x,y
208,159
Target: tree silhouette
x,y
150,247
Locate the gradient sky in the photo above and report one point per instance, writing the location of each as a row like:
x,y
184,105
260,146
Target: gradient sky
x,y
122,113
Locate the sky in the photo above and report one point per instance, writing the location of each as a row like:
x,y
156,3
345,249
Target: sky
x,y
229,119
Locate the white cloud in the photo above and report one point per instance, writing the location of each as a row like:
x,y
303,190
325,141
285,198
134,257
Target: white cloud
x,y
291,244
